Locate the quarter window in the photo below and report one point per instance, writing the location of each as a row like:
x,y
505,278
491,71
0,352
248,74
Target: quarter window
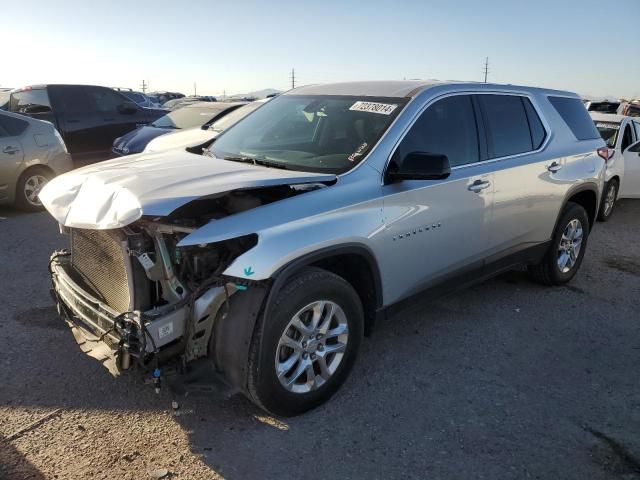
x,y
507,125
448,127
576,117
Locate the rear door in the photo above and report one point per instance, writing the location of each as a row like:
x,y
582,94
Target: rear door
x,y
79,125
435,229
114,120
526,197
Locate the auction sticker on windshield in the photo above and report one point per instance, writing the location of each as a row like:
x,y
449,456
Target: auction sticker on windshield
x,y
373,107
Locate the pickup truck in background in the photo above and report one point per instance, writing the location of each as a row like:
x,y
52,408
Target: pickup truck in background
x,y
89,118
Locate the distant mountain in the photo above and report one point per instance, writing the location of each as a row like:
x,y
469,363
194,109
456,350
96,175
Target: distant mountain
x,y
256,94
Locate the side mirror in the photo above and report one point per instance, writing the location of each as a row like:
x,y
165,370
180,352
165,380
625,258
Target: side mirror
x,y
128,108
420,166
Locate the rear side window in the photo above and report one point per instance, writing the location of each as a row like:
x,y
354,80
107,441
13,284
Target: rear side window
x,y
70,98
576,117
30,101
105,100
448,127
13,126
538,133
507,125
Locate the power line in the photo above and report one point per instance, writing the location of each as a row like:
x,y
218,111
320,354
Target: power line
x,y
486,68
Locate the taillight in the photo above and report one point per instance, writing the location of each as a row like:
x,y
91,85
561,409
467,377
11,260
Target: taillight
x,y
603,152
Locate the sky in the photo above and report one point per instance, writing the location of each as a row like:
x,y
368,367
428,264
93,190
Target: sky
x,y
586,46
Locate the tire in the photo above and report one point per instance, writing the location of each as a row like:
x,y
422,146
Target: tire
x,y
549,270
268,351
32,179
608,201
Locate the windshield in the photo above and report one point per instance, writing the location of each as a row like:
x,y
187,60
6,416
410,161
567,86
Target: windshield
x,y
609,132
186,118
328,134
235,116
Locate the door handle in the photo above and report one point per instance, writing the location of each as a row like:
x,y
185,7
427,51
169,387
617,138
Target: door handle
x,y
554,167
11,150
478,186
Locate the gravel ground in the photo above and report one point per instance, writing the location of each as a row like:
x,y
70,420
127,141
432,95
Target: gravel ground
x,y
505,380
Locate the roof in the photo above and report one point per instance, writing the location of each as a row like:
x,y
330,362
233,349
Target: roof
x,y
406,88
402,88
607,117
213,105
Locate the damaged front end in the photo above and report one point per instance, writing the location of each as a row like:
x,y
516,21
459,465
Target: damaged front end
x,y
133,297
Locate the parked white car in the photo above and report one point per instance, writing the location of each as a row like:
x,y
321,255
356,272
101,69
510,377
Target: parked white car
x,y
622,135
197,136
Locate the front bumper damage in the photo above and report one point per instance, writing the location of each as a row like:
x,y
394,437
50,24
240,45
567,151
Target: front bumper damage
x,y
122,340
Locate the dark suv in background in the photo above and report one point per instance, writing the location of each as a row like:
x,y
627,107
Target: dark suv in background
x,y
89,118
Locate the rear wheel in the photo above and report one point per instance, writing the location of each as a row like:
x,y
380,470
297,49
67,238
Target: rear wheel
x,y
29,186
303,350
608,200
564,257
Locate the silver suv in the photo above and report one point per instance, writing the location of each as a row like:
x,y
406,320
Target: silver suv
x,y
271,250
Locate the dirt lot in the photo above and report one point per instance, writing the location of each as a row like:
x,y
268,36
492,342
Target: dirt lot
x,y
505,380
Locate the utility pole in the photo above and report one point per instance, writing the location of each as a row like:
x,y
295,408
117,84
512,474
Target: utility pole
x,y
486,68
144,86
195,91
293,78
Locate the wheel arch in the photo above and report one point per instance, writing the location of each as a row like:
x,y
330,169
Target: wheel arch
x,y
24,170
233,333
354,262
585,195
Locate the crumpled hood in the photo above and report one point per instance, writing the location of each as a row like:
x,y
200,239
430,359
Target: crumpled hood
x,y
117,192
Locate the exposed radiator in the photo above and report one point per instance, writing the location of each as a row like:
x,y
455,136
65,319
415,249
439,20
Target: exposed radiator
x,y
99,257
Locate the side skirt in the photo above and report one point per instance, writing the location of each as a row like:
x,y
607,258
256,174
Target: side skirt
x,y
493,266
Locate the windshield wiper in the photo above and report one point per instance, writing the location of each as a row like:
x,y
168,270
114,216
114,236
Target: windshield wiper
x,y
256,161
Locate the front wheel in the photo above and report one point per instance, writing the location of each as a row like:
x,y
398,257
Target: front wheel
x,y
608,200
303,350
566,251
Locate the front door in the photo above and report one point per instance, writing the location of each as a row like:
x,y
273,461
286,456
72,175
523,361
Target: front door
x,y
630,185
437,228
631,181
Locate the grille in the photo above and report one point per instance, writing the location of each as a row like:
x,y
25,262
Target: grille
x,y
98,257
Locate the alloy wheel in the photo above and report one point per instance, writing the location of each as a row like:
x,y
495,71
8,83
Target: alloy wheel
x,y
312,346
570,244
32,187
610,199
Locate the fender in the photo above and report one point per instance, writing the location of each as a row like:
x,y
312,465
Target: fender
x,y
583,187
286,272
234,330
